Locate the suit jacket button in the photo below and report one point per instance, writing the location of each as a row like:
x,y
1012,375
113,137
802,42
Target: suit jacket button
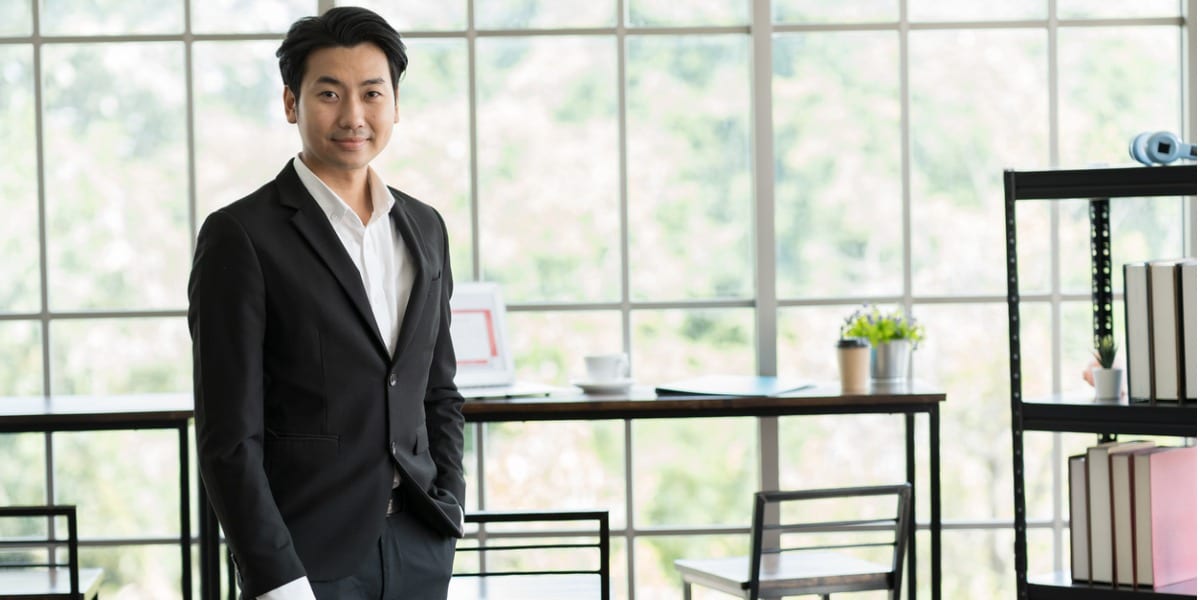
x,y
393,380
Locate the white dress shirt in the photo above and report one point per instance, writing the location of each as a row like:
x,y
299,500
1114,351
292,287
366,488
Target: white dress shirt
x,y
387,273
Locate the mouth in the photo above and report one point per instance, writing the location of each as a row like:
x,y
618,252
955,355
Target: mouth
x,y
351,143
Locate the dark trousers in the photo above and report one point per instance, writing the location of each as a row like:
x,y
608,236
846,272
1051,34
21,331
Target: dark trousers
x,y
412,562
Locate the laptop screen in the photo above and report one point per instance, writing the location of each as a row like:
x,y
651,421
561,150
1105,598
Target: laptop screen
x,y
480,335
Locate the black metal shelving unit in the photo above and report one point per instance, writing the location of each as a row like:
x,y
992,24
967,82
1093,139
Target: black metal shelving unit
x,y
1065,414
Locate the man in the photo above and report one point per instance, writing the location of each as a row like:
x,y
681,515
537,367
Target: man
x,y
329,429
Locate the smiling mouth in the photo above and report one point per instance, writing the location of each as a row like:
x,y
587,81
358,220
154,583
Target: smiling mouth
x,y
350,143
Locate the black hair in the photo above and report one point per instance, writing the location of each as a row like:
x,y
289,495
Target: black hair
x,y
344,26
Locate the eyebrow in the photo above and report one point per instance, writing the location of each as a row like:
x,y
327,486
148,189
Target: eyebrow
x,y
335,81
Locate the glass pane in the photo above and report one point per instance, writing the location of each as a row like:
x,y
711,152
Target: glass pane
x,y
654,568
682,13
965,354
21,291
837,148
550,346
823,11
548,193
1114,83
690,181
110,17
1118,9
20,359
136,571
226,16
977,564
544,14
956,10
1033,245
429,155
675,344
120,356
24,485
806,339
1141,229
855,450
116,189
963,138
16,18
556,465
238,98
669,489
417,15
88,474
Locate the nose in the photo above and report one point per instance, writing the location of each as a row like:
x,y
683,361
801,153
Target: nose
x,y
352,113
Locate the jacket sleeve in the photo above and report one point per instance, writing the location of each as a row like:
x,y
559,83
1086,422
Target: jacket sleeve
x,y
227,319
443,402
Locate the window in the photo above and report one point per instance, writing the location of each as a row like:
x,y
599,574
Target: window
x,y
600,159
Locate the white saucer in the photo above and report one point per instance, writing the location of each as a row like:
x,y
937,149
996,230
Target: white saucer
x,y
603,387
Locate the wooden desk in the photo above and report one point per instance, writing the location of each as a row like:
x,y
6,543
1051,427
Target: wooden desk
x,y
83,413
643,403
823,399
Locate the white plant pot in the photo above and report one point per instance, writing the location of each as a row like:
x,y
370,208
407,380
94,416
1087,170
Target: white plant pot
x,y
1108,383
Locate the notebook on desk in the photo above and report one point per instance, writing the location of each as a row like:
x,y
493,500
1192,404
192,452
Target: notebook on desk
x,y
481,346
732,385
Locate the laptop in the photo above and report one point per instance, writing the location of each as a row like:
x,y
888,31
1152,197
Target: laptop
x,y
479,331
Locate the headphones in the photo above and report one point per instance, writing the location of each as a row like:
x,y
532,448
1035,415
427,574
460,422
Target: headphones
x,y
1160,147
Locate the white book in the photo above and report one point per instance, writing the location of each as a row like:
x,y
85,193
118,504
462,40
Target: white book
x,y
1189,327
1100,506
1166,328
1121,476
1137,332
1078,506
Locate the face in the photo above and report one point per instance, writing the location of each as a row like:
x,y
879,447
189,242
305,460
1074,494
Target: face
x,y
345,109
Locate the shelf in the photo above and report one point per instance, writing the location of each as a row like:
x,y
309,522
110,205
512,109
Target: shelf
x,y
1059,586
1082,415
1121,182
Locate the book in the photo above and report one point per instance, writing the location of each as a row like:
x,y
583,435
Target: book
x,y
732,385
1164,516
1121,478
1078,514
1100,543
1166,329
1188,287
1137,332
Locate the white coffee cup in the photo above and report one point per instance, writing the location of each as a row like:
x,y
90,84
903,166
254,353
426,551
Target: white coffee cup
x,y
607,367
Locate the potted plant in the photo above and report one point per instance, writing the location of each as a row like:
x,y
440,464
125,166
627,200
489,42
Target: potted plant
x,y
1105,378
892,335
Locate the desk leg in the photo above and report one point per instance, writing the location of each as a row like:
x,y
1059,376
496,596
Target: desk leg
x,y
185,511
935,504
910,470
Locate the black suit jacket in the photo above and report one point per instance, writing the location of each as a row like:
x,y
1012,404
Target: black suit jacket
x,y
301,414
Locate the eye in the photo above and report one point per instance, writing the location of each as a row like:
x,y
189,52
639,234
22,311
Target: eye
x,y
327,95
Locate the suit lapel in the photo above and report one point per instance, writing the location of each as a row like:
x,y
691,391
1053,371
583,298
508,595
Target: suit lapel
x,y
418,250
315,228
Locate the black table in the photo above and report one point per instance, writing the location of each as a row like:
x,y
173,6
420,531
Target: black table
x,y
107,413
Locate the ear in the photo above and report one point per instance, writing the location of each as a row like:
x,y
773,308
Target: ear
x,y
289,105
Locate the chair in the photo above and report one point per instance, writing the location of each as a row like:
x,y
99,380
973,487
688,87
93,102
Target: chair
x,y
530,556
45,580
791,554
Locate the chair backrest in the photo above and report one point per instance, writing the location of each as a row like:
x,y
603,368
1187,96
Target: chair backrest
x,y
538,548
45,542
868,523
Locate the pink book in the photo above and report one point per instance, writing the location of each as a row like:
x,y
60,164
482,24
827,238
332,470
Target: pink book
x,y
1164,506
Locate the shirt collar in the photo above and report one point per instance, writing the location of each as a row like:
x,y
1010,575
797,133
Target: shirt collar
x,y
332,205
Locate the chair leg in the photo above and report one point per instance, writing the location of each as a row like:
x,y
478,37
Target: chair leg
x,y
687,591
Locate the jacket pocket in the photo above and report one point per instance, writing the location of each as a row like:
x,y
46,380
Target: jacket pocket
x,y
422,443
298,456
